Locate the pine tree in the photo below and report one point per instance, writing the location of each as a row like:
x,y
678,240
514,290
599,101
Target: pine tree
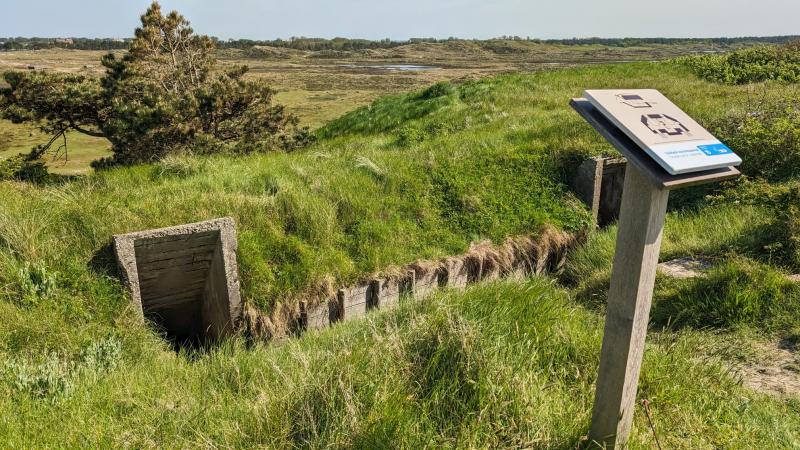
x,y
164,96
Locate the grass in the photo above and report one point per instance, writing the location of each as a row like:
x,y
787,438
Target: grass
x,y
743,292
320,88
81,150
503,365
485,164
410,176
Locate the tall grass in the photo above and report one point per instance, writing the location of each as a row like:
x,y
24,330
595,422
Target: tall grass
x,y
503,365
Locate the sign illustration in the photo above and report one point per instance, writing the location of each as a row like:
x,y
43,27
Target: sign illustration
x,y
676,141
633,100
664,125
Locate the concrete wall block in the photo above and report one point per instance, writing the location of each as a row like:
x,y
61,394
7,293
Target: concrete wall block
x,y
184,278
354,302
319,316
587,183
407,284
524,265
598,182
427,283
490,274
612,183
385,293
457,273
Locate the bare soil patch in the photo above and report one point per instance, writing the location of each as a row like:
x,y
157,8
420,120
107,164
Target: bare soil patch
x,y
774,370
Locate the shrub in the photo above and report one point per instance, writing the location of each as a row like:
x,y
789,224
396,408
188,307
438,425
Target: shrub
x,y
35,283
22,168
781,63
54,377
441,89
767,137
409,135
48,380
102,356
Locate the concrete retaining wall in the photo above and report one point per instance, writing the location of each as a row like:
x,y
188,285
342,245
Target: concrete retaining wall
x,y
516,258
185,280
598,182
353,302
427,282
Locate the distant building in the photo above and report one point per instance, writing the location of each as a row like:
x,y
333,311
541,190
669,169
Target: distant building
x,y
64,41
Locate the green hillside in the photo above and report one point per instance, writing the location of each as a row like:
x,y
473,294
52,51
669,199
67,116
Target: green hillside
x,y
420,175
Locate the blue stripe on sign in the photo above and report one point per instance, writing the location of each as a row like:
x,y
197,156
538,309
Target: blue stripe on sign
x,y
715,149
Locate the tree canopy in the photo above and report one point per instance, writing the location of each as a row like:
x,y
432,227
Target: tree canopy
x,y
165,95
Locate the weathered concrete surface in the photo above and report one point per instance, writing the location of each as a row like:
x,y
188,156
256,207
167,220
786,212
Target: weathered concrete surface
x,y
184,278
354,301
319,316
611,190
427,283
598,182
686,267
385,293
587,183
490,273
407,284
457,273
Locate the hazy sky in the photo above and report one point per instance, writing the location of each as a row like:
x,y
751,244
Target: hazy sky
x,y
401,19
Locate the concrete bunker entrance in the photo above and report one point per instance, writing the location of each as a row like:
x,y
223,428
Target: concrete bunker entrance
x,y
184,279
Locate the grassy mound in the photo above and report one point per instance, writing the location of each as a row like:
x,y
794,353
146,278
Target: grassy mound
x,y
414,176
736,293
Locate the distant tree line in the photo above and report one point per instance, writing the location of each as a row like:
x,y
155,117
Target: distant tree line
x,y
631,42
39,43
345,44
317,44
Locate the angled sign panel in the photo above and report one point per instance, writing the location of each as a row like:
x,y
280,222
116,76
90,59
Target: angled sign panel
x,y
676,141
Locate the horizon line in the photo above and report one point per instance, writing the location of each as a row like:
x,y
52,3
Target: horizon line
x,y
422,38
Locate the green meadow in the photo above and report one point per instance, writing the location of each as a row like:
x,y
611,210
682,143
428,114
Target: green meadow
x,y
509,364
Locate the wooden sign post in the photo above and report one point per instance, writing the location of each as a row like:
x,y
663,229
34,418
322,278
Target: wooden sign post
x,y
644,205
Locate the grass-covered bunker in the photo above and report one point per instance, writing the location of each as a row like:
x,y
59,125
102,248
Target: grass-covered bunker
x,y
184,278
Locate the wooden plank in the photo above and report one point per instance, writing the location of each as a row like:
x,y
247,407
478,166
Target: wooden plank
x,y
627,314
198,268
157,287
143,258
190,262
638,158
177,240
168,301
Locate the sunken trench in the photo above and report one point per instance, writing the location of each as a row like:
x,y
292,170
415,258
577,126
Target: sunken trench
x,y
184,279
